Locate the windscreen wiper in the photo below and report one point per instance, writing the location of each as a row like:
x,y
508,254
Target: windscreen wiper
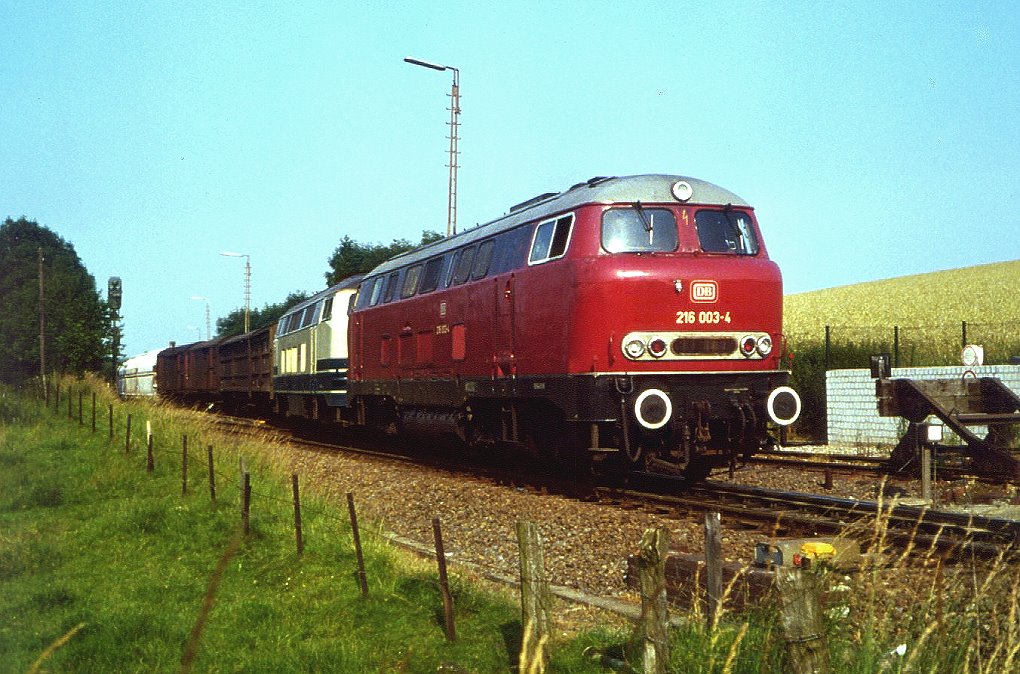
x,y
728,212
644,220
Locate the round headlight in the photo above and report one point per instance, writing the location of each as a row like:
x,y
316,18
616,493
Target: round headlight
x,y
748,344
765,346
635,348
783,405
653,409
657,347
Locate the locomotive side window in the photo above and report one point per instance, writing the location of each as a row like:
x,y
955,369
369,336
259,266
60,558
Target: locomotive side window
x,y
391,286
511,250
308,316
411,279
430,279
364,296
482,261
551,239
377,290
462,265
639,230
293,320
726,232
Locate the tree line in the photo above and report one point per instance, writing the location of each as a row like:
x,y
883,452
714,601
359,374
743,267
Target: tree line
x,y
79,326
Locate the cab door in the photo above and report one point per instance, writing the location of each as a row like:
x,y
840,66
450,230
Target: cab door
x,y
504,363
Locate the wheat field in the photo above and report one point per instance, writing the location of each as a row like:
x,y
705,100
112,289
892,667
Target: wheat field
x,y
929,310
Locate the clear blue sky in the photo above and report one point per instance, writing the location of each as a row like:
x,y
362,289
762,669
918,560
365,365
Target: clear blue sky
x,y
874,139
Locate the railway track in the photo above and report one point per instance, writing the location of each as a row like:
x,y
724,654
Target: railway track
x,y
945,533
866,465
774,512
847,463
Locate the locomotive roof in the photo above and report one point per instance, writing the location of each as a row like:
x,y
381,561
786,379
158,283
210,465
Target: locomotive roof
x,y
648,189
347,283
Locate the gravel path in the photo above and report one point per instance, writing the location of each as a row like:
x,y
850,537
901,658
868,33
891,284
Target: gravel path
x,y
586,544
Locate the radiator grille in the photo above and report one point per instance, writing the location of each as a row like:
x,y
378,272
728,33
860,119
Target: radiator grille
x,y
703,346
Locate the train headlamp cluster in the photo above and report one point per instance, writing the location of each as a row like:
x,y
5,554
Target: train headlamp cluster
x,y
651,346
751,344
634,349
657,347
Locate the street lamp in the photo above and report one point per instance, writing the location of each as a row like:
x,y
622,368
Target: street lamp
x,y
451,204
208,323
247,284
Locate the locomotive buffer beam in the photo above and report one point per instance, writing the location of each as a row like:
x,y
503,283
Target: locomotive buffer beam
x,y
960,404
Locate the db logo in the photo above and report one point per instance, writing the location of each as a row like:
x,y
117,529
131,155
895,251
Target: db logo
x,y
704,291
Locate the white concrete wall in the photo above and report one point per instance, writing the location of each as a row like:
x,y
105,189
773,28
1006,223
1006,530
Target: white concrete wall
x,y
853,408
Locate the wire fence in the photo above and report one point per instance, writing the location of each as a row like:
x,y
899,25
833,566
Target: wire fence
x,y
812,353
273,503
848,345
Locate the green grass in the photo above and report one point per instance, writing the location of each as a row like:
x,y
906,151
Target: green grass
x,y
105,568
88,538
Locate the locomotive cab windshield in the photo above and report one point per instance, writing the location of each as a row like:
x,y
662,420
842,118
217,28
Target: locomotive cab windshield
x,y
726,231
639,230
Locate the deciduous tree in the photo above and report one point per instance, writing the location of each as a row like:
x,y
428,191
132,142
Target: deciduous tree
x,y
233,323
352,257
78,321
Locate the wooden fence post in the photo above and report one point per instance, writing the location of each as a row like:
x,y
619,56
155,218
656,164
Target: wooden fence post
x,y
212,476
362,579
444,584
111,422
69,396
651,637
713,567
93,412
806,649
535,599
81,417
297,514
150,460
127,436
246,502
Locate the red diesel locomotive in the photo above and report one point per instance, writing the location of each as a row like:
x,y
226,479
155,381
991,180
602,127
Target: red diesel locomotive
x,y
635,319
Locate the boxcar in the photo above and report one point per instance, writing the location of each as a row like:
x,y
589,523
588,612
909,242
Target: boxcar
x,y
246,371
189,373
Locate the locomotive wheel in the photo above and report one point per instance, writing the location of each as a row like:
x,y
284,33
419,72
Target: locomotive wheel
x,y
544,437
